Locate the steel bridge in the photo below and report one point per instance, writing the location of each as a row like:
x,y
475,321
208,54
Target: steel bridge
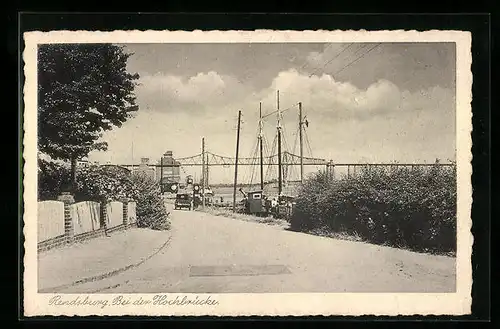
x,y
212,159
287,159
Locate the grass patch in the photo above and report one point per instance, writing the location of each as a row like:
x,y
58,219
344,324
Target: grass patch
x,y
244,217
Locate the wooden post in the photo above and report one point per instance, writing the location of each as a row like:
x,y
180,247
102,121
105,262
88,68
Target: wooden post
x,y
203,173
236,162
301,144
207,175
161,175
280,172
261,149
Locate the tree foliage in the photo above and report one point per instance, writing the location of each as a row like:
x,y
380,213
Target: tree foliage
x,y
105,184
83,90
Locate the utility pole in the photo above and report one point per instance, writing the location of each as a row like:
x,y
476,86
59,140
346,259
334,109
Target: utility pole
x,y
161,174
331,172
301,144
132,151
280,187
207,174
260,146
203,173
236,163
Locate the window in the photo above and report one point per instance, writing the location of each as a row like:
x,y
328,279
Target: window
x,y
257,196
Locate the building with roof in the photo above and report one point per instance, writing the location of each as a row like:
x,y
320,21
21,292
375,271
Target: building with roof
x,y
168,169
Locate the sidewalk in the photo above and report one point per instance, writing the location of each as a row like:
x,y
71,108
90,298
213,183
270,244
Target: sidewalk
x,y
98,258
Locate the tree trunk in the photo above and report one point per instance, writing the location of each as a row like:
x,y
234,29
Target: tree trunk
x,y
73,175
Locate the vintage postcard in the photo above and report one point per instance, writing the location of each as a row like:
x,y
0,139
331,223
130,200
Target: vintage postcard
x,y
238,173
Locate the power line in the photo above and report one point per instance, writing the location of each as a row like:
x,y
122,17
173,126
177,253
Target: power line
x,y
362,47
343,50
357,59
306,63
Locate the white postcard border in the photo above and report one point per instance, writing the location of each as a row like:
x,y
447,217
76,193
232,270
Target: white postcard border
x,y
295,304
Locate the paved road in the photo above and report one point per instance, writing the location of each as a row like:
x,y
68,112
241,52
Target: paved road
x,y
209,254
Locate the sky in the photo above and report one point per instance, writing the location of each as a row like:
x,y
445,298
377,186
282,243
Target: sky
x,y
364,102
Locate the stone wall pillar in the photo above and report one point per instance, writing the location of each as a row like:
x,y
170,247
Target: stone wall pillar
x,y
104,212
69,230
125,212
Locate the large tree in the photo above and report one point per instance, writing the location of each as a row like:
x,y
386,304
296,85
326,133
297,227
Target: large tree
x,y
83,91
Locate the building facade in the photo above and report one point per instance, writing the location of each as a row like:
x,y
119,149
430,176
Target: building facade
x,y
146,169
168,169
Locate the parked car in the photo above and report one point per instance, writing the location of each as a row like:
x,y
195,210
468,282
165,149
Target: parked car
x,y
285,207
184,200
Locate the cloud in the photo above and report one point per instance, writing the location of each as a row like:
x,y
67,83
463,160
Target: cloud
x,y
169,93
411,66
342,100
379,123
214,95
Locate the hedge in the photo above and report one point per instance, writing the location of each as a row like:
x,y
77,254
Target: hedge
x,y
412,208
104,184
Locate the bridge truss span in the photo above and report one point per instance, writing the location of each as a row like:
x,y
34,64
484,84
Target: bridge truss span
x,y
213,159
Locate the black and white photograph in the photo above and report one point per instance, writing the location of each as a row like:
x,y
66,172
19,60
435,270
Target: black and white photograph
x,y
186,172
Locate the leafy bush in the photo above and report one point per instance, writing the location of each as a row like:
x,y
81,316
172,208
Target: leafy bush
x,y
151,209
53,178
413,208
104,184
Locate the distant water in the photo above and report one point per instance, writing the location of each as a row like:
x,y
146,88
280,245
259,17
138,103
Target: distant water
x,y
227,192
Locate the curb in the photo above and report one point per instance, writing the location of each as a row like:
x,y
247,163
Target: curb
x,y
105,275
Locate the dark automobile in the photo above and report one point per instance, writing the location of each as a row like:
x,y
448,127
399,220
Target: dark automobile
x,y
184,200
285,207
